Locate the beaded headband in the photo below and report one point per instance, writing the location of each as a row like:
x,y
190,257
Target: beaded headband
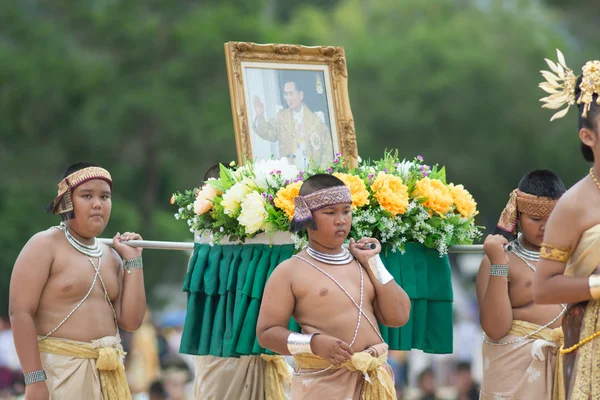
x,y
305,205
520,202
63,202
561,82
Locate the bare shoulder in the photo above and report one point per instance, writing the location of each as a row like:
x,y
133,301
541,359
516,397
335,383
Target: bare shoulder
x,y
570,204
285,270
44,241
569,212
36,259
570,218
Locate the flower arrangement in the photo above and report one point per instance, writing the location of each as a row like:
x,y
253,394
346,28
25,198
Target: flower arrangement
x,y
396,201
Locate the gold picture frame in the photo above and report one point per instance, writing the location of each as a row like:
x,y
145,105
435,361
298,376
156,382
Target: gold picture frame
x,y
274,71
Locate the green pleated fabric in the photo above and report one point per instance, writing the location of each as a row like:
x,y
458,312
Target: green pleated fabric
x,y
224,286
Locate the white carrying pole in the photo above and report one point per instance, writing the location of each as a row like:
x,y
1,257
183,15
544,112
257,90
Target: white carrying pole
x,y
189,246
156,245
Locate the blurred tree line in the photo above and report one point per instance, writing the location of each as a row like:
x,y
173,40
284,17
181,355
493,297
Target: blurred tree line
x,y
140,87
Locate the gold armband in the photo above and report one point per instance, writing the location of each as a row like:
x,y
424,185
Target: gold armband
x,y
594,282
554,253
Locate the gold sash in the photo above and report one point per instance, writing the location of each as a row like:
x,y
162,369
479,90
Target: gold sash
x,y
524,328
379,385
108,363
277,375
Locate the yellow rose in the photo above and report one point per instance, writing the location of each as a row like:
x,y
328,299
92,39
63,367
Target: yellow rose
x,y
463,201
436,193
391,193
284,199
233,197
358,190
253,214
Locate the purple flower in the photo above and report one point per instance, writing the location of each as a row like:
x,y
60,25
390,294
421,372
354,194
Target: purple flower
x,y
337,160
338,154
287,181
420,158
278,172
270,197
330,170
425,174
271,173
298,179
264,194
422,168
385,170
301,173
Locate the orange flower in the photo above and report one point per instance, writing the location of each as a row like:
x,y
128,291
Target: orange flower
x,y
437,195
463,201
284,199
391,193
358,190
173,199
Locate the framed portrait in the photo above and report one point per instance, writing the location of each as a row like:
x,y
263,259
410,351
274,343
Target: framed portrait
x,y
290,101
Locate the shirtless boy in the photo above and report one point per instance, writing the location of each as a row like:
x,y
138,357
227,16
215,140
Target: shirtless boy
x,y
69,294
521,339
337,296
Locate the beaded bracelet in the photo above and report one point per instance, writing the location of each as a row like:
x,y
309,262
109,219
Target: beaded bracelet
x,y
133,263
499,270
34,377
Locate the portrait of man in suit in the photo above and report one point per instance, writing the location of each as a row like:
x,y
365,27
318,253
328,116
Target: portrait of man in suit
x,y
297,122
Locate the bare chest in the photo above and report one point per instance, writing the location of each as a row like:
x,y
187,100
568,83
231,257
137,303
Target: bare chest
x,y
74,275
333,291
521,282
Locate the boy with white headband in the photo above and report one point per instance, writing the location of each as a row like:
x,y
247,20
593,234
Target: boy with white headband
x,y
337,296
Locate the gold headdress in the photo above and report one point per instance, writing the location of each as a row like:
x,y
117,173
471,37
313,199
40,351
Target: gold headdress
x,y
305,205
561,84
520,202
63,202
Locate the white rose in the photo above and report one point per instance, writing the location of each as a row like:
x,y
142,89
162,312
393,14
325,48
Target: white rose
x,y
233,197
253,214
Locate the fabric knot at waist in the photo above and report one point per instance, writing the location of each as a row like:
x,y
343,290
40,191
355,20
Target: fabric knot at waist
x,y
107,353
379,386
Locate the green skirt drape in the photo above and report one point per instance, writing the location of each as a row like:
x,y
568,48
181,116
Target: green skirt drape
x,y
224,285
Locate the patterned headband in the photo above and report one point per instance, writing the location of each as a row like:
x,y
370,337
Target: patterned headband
x,y
561,84
63,202
305,205
520,202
